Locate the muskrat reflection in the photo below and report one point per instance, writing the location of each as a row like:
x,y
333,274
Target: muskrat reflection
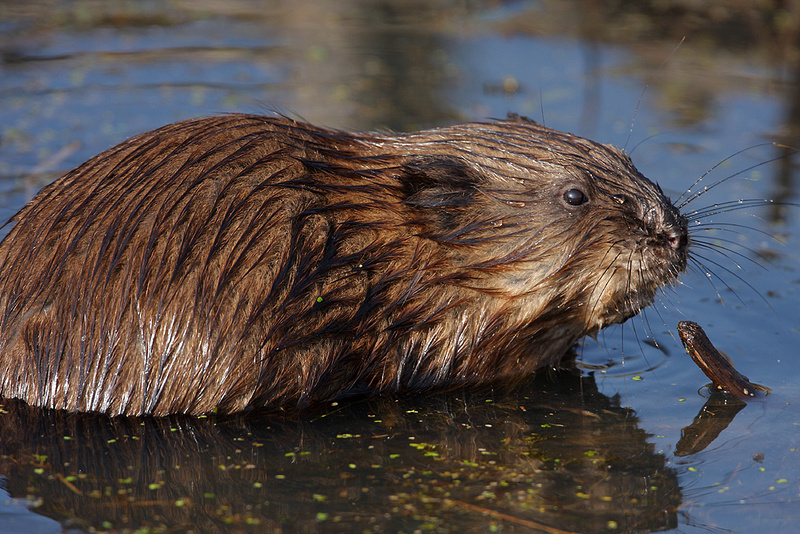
x,y
557,453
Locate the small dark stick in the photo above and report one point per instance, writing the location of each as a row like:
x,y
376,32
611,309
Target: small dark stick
x,y
715,365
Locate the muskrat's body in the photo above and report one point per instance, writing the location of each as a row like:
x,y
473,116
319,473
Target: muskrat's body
x,y
244,261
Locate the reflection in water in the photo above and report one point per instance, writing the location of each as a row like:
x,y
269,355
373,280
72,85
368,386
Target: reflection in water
x,y
15,516
714,417
558,456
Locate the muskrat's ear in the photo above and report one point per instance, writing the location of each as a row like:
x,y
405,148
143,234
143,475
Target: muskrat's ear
x,y
438,181
513,117
442,189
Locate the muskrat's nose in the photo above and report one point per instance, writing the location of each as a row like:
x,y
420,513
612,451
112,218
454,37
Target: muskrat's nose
x,y
677,238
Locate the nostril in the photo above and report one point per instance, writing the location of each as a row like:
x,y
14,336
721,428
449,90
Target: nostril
x,y
674,241
677,241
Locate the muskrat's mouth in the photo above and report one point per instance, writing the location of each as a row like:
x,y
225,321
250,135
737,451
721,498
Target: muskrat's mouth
x,y
627,305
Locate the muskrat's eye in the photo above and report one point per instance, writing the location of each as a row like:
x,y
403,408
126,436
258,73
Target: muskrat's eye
x,y
575,197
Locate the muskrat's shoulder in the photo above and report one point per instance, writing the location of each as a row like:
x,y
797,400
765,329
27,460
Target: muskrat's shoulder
x,y
210,264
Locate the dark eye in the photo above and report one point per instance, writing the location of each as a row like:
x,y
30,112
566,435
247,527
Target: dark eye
x,y
575,197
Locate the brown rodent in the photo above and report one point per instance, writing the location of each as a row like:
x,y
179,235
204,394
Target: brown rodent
x,y
242,261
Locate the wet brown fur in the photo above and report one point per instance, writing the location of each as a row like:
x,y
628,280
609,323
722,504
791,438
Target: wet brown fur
x,y
239,261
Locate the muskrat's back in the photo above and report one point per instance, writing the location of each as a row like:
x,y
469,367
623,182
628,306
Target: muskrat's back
x,y
241,261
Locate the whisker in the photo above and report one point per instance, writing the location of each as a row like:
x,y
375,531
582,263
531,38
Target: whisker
x,y
642,141
730,206
719,249
648,331
726,227
742,280
692,197
591,309
641,97
709,171
668,305
707,273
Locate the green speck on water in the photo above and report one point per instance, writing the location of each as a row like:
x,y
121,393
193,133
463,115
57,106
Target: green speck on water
x,y
692,469
38,470
180,502
280,477
317,53
394,456
257,484
612,525
591,453
351,466
637,377
209,496
153,486
582,495
782,481
319,497
322,516
682,399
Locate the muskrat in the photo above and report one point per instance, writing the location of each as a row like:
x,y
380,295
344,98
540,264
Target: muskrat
x,y
254,261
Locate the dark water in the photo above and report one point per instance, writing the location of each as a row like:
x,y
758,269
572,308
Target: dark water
x,y
634,444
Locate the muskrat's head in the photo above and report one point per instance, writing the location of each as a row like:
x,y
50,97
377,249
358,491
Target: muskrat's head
x,y
560,225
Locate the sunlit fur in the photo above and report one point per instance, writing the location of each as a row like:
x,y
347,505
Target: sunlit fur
x,y
241,261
